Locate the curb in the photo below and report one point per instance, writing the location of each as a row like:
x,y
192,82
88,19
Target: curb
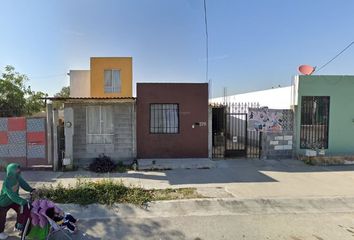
x,y
211,207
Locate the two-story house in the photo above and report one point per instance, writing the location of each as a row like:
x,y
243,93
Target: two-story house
x,y
100,113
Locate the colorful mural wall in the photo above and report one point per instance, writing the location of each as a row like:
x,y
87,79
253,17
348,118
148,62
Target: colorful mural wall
x,y
270,120
23,140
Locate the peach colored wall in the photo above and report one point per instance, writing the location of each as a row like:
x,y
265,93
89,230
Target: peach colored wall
x,y
99,64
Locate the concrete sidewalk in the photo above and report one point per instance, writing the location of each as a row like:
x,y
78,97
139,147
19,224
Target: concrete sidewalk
x,y
164,219
208,207
284,199
240,179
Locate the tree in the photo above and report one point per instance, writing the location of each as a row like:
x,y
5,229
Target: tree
x,y
34,102
16,98
64,92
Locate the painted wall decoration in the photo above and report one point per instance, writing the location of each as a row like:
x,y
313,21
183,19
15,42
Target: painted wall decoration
x,y
23,140
270,120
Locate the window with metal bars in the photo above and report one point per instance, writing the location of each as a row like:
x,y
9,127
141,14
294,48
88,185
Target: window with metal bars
x,y
164,118
314,122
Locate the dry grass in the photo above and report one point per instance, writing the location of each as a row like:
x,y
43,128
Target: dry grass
x,y
175,194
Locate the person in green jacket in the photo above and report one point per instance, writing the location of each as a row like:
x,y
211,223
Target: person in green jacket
x,y
9,198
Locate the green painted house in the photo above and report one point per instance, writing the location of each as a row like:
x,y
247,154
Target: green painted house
x,y
324,114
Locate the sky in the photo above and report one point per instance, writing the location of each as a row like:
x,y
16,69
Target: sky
x,y
253,44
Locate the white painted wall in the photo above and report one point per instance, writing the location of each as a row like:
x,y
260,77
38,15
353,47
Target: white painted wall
x,y
295,90
277,98
69,134
80,83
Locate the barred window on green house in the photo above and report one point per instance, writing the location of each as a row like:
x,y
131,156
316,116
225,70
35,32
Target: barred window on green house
x,y
314,122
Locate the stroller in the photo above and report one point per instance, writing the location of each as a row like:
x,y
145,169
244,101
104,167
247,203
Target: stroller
x,y
40,227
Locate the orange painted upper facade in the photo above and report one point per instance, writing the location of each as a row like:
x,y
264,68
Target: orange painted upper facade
x,y
111,77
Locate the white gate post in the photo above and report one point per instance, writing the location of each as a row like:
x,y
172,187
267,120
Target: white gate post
x,y
69,133
49,133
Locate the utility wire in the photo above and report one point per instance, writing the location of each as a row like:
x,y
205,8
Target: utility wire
x,y
324,65
206,42
48,76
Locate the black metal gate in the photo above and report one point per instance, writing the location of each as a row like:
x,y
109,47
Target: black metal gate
x,y
236,135
218,131
231,137
61,142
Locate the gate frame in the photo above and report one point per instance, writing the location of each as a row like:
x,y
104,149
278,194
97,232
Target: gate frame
x,y
218,150
233,153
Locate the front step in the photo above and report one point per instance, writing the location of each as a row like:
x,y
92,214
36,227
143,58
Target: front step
x,y
38,168
180,163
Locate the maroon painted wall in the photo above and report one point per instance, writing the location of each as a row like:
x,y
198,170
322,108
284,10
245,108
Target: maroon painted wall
x,y
193,107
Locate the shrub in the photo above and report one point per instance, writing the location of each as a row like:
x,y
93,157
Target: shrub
x,y
102,164
109,192
88,192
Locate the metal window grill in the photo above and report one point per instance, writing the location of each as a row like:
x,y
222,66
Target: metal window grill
x,y
314,122
164,118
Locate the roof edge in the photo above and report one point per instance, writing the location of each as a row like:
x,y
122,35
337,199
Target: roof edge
x,y
86,98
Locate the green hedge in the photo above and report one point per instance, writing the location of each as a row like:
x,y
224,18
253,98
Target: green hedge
x,y
109,192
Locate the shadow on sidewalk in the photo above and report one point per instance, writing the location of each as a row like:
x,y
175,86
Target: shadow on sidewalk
x,y
100,223
130,229
227,171
224,173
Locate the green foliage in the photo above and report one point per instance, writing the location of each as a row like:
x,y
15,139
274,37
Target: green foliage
x,y
109,192
64,92
35,102
121,168
16,98
102,192
308,161
173,194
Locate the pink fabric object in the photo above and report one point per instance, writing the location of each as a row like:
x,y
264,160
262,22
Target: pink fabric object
x,y
38,212
34,212
42,221
35,219
44,204
35,204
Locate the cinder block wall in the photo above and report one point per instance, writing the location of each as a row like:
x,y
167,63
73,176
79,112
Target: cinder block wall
x,y
277,144
122,148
